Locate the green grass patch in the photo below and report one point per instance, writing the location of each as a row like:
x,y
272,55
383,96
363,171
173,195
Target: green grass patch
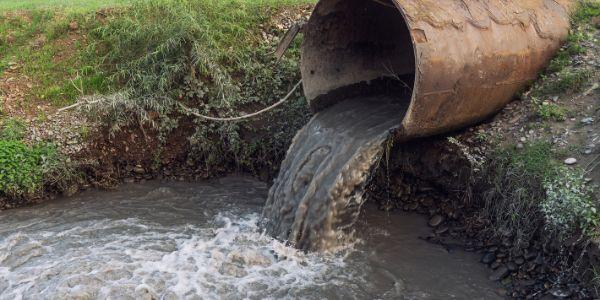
x,y
551,111
587,10
11,5
209,55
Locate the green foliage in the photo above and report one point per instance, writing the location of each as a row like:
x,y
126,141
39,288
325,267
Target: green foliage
x,y
567,80
22,167
551,111
526,191
210,55
12,129
568,206
587,9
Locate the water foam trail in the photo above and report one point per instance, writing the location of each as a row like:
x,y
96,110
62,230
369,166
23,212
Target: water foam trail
x,y
319,190
231,260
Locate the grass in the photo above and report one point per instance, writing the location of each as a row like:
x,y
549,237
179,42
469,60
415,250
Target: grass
x,y
527,194
11,5
210,55
150,54
562,77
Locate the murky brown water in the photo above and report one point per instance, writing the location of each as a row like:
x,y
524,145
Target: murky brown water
x,y
319,190
201,241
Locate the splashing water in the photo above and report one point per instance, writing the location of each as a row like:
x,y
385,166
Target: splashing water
x,y
201,241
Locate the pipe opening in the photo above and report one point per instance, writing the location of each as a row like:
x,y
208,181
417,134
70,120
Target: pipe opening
x,y
356,48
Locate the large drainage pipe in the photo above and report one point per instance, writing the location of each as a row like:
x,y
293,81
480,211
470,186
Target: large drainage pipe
x,y
463,60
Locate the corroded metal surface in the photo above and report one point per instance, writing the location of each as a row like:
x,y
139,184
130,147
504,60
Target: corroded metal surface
x,y
468,57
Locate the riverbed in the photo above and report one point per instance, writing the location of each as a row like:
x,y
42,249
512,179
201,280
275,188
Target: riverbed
x,y
203,240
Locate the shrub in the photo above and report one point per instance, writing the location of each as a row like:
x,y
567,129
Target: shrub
x,y
209,55
22,167
526,191
12,129
568,206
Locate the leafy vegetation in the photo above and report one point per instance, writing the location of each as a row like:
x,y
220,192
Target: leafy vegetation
x,y
12,129
210,55
551,111
22,167
526,192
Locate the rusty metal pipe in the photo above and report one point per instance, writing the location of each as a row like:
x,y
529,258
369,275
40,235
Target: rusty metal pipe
x,y
463,59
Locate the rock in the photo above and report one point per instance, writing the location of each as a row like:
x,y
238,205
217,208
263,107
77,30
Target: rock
x,y
519,261
561,293
129,180
499,274
436,220
495,265
139,170
427,201
488,258
442,230
512,266
587,121
520,146
530,255
570,161
413,206
539,260
74,25
529,282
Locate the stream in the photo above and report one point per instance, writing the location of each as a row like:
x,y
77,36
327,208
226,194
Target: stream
x,y
174,240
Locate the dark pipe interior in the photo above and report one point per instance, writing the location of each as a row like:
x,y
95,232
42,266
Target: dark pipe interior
x,y
356,48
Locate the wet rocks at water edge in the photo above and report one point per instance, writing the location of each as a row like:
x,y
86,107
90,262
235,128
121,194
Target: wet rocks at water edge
x,y
488,258
436,220
499,273
530,273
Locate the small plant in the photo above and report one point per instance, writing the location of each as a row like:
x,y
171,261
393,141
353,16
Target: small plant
x,y
551,111
568,206
481,137
12,129
22,167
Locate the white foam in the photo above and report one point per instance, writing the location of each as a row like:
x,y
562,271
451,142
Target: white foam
x,y
231,259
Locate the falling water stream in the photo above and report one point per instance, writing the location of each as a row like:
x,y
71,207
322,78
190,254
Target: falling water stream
x,y
319,190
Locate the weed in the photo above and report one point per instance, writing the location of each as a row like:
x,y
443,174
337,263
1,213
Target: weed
x,y
551,111
22,167
481,137
12,129
526,191
568,206
567,80
587,10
